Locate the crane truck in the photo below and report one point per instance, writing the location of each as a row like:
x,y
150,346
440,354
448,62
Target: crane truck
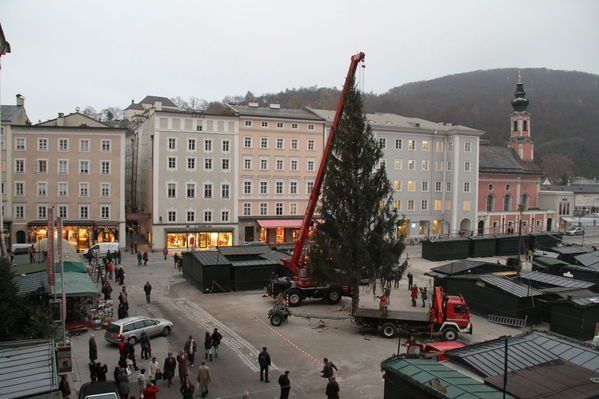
x,y
302,284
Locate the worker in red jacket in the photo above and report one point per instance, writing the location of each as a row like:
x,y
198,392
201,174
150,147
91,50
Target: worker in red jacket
x,y
150,391
414,294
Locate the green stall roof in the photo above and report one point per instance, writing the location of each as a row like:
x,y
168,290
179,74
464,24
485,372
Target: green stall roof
x,y
29,268
75,284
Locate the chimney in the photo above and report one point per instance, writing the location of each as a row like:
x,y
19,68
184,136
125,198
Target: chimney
x,y
275,106
20,100
158,105
253,105
60,119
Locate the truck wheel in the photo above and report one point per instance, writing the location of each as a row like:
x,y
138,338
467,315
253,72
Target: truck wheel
x,y
276,320
450,334
294,297
334,296
389,330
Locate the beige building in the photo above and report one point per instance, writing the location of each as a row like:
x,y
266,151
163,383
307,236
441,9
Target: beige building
x,y
279,154
76,165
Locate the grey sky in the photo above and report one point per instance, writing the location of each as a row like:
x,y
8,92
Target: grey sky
x,y
103,53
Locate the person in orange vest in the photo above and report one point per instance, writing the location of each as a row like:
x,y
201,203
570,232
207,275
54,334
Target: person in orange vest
x,y
383,303
414,294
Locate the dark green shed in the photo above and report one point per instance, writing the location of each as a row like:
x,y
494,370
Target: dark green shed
x,y
482,247
443,249
207,270
575,317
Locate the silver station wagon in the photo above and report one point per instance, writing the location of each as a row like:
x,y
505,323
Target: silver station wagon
x,y
132,327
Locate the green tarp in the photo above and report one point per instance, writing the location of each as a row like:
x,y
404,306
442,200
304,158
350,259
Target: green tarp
x,y
76,267
75,284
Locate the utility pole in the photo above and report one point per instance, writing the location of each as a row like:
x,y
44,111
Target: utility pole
x,y
520,210
505,368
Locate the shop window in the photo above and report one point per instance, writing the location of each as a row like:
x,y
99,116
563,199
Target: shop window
x,y
249,233
280,235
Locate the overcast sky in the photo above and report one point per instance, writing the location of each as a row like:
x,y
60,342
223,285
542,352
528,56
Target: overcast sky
x,y
104,53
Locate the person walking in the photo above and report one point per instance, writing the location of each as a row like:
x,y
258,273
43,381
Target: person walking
x,y
410,280
123,386
110,269
64,387
396,278
423,296
264,361
165,252
285,385
176,260
168,370
154,370
145,258
119,256
327,370
122,347
93,348
187,389
144,342
107,290
208,346
131,246
31,251
216,338
148,291
150,391
139,258
142,380
101,370
204,378
182,365
332,390
135,246
130,348
121,311
190,349
414,294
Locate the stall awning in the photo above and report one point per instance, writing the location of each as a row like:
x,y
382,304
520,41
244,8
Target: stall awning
x,y
284,223
75,284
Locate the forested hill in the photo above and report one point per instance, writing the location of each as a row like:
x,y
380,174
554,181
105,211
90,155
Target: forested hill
x,y
564,107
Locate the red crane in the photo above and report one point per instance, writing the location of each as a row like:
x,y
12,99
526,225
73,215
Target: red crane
x,y
303,286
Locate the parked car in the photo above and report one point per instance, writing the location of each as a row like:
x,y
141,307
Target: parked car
x,y
99,390
576,231
132,327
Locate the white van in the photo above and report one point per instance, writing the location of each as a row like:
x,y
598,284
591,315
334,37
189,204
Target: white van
x,y
101,249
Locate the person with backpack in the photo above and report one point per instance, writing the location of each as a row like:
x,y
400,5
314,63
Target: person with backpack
x,y
208,346
148,291
264,361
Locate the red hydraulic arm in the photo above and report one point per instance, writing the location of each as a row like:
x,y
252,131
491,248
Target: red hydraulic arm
x,y
293,264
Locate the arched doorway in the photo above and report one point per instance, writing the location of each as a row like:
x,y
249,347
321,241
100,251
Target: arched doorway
x,y
21,237
549,223
481,228
465,226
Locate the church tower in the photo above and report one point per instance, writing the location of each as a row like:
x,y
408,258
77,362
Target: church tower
x,y
520,140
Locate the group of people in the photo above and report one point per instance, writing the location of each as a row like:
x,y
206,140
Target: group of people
x,y
413,288
143,258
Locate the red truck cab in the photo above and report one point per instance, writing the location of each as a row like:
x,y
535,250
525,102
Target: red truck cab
x,y
450,314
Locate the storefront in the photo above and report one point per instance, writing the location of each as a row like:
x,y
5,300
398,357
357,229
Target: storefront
x,y
81,234
106,233
202,240
279,231
78,236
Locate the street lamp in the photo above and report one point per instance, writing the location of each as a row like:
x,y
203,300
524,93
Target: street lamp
x,y
187,237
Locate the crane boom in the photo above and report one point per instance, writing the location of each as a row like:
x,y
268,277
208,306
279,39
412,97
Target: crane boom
x,y
293,264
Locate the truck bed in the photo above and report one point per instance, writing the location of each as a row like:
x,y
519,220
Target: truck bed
x,y
365,313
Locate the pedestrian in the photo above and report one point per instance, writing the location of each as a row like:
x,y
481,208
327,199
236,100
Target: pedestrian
x,y
142,380
176,260
122,347
264,361
144,342
190,349
332,390
107,290
182,364
119,255
396,278
123,387
154,370
131,246
121,311
148,291
327,369
150,391
245,395
139,257
145,258
208,346
204,378
414,294
108,257
64,387
31,252
101,370
93,348
216,338
168,370
130,348
93,374
123,296
423,296
187,388
410,280
165,252
285,385
383,303
110,269
135,246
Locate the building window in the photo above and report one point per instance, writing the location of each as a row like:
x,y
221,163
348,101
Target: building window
x,y
207,190
424,186
247,163
438,146
515,126
450,146
224,216
398,144
247,123
19,211
247,187
397,164
294,144
104,167
42,144
383,143
310,165
225,146
263,163
467,146
83,211
293,208
264,142
507,201
310,145
42,211
490,187
225,191
397,204
191,163
207,216
293,164
524,126
525,201
41,166
411,185
171,190
280,144
449,166
466,205
63,145
207,163
264,124
448,188
397,185
411,164
105,146
105,189
467,166
410,205
225,164
293,187
425,145
425,165
280,164
191,216
63,166
263,209
42,189
208,145
191,144
247,141
490,203
279,187
84,145
247,209
294,125
411,145
190,190
172,216
263,187
279,209
438,204
309,187
424,205
83,167
104,211
280,125
508,187
19,189
172,163
310,127
439,166
20,144
172,143
84,189
437,186
466,187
